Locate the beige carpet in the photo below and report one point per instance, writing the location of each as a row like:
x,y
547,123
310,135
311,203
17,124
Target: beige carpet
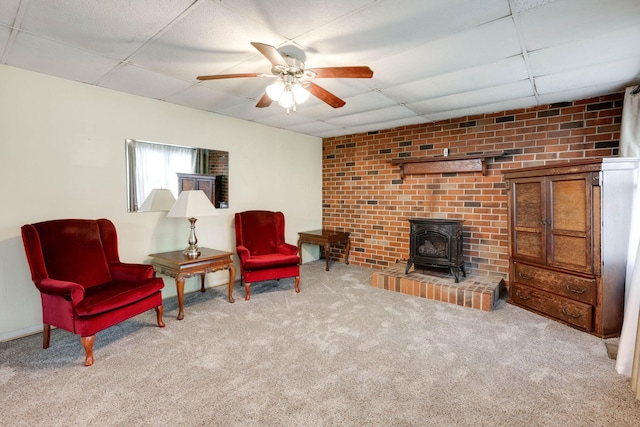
x,y
339,353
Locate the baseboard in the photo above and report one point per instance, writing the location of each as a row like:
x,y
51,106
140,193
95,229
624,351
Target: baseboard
x,y
19,333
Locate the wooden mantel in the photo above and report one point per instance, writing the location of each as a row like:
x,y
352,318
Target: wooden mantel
x,y
474,162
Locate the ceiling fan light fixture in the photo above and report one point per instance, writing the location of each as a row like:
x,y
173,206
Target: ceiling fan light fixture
x,y
275,90
300,94
286,99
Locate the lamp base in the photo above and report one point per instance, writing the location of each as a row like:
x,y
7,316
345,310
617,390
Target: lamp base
x,y
192,250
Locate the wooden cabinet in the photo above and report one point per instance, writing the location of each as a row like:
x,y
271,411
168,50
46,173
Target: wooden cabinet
x,y
191,181
568,239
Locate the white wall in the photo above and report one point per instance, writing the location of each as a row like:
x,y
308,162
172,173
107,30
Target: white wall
x,y
62,148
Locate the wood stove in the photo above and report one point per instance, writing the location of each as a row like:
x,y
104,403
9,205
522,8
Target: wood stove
x,y
436,243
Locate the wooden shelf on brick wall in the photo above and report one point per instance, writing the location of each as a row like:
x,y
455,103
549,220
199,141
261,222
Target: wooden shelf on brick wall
x,y
473,162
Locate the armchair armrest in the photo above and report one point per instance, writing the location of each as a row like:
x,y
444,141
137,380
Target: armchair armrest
x,y
243,252
61,288
131,272
287,249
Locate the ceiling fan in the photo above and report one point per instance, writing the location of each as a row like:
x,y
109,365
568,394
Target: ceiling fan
x,y
294,85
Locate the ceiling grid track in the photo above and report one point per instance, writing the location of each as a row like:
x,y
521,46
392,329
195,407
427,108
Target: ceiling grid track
x,y
14,30
515,16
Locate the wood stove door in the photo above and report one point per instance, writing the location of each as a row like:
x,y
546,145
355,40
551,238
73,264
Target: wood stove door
x,y
432,248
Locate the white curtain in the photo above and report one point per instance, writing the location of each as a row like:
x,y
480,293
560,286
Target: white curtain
x,y
156,166
630,147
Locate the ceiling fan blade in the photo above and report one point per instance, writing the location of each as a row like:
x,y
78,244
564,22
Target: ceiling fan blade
x,y
325,95
229,76
271,53
265,101
363,72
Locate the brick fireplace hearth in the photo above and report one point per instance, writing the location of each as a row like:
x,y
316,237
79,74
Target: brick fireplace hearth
x,y
479,292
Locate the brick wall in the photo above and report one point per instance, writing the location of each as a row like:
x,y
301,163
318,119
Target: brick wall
x,y
219,166
363,192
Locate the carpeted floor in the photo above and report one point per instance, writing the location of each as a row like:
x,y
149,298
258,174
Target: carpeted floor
x,y
339,353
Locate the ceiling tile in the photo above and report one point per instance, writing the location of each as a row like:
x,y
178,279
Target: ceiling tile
x,y
387,28
138,81
521,5
466,80
203,98
252,88
494,107
38,54
582,93
600,74
375,116
292,18
567,21
83,23
315,127
591,51
455,52
5,33
206,42
8,11
389,124
356,104
475,98
248,111
283,120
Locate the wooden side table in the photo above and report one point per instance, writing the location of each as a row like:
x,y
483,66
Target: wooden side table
x,y
175,264
325,238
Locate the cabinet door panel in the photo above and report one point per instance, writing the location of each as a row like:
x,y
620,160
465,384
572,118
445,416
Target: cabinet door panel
x,y
569,204
569,239
207,187
570,252
528,220
187,185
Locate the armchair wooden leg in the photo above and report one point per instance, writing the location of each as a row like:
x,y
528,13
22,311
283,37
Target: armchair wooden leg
x,y
297,284
159,312
87,343
46,335
247,289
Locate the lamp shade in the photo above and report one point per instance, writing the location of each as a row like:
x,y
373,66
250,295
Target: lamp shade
x,y
300,94
286,99
274,91
192,204
159,200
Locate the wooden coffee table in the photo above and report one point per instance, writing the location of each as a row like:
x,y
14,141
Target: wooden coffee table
x,y
325,238
177,265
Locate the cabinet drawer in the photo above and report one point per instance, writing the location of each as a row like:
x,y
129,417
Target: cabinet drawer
x,y
567,310
567,285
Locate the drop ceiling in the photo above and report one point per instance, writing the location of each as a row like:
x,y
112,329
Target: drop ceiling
x,y
432,60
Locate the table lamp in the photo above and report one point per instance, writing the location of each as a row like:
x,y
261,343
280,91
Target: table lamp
x,y
192,204
159,200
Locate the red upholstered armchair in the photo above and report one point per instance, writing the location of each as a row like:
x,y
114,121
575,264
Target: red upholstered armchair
x,y
83,285
263,253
